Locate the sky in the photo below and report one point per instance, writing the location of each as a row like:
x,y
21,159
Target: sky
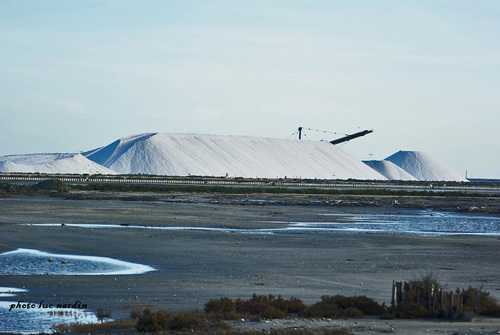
x,y
424,75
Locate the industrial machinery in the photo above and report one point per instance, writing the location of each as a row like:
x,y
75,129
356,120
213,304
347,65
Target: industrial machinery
x,y
351,137
343,139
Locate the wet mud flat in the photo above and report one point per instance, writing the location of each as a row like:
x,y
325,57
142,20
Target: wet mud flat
x,y
194,266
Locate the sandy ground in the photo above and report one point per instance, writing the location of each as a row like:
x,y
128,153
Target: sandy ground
x,y
196,266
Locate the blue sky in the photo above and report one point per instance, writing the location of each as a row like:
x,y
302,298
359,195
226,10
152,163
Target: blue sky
x,y
424,75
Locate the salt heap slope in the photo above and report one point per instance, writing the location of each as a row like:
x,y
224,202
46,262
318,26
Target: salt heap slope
x,y
236,156
390,170
423,167
51,163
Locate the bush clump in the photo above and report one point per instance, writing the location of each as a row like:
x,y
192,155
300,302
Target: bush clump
x,y
264,307
149,321
340,306
410,311
480,302
224,308
260,305
187,321
425,298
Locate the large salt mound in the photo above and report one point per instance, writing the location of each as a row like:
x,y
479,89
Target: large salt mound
x,y
423,167
51,163
238,156
389,170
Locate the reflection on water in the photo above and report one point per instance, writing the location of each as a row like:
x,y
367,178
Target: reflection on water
x,y
10,291
39,320
35,317
427,223
420,223
32,262
22,317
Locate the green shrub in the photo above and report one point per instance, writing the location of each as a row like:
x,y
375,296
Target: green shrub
x,y
337,332
257,305
366,305
389,315
292,305
221,325
480,302
272,312
411,311
340,306
150,321
187,321
223,308
353,313
289,331
323,309
267,307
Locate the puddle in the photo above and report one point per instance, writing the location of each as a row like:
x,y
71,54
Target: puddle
x,y
35,262
18,316
38,320
10,291
22,317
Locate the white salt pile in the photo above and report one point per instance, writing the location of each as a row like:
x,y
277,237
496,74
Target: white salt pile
x,y
389,170
423,167
51,163
235,156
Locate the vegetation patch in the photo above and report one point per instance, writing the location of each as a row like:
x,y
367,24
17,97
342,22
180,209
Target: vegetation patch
x,y
426,298
340,306
261,306
413,304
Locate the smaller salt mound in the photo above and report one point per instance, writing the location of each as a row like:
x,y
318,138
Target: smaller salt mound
x,y
389,170
51,163
423,167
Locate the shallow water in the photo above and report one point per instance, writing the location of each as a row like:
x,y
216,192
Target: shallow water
x,y
423,223
33,262
35,317
37,320
18,316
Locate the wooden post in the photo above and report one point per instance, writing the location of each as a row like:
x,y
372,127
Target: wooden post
x,y
450,304
442,300
429,296
435,300
406,289
460,301
393,299
400,294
